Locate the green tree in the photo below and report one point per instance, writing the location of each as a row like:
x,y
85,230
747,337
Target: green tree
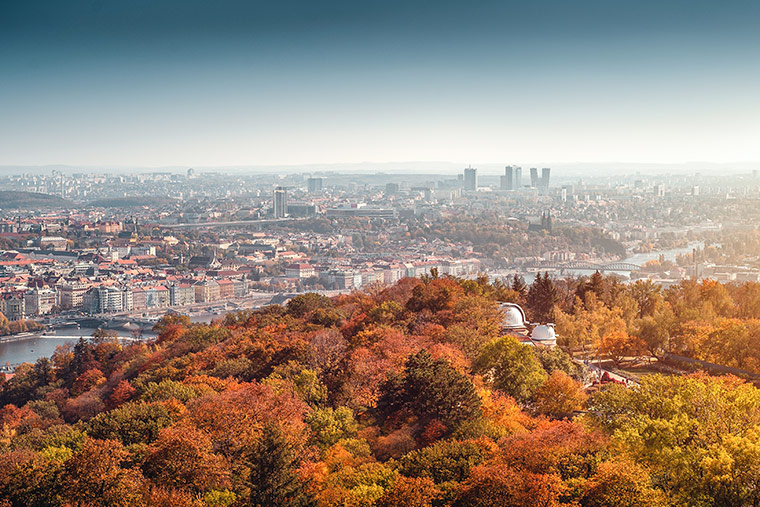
x,y
519,286
307,303
699,435
273,479
555,359
542,296
132,423
430,389
167,390
443,461
653,333
28,383
511,367
305,382
596,284
331,425
648,296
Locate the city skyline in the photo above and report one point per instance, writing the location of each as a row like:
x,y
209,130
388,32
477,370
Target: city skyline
x,y
246,83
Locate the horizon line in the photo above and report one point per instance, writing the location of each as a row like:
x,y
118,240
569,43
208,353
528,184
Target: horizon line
x,y
178,166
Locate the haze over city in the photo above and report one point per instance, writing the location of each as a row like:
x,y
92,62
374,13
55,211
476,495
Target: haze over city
x,y
238,83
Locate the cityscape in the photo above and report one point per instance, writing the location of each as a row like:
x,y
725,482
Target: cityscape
x,y
379,254
98,244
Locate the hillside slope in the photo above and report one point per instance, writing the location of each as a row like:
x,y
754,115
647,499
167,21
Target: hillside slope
x,y
402,396
14,199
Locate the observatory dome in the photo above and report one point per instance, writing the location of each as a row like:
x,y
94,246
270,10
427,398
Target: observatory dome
x,y
544,334
514,316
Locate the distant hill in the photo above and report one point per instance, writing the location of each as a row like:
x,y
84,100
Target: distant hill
x,y
128,202
12,199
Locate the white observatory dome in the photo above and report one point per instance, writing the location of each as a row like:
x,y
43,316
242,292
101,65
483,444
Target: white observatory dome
x,y
514,316
544,334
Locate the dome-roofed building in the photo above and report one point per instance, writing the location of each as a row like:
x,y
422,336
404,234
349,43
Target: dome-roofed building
x,y
515,323
514,318
544,335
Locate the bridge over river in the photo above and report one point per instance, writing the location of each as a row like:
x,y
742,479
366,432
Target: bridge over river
x,y
612,266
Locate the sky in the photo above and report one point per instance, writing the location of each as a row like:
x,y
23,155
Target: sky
x,y
154,83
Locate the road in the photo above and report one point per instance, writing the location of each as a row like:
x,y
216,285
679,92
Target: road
x,y
252,301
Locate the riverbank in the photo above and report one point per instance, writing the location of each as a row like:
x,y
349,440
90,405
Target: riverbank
x,y
16,337
29,348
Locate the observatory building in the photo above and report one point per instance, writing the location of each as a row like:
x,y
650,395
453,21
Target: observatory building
x,y
544,336
515,323
514,319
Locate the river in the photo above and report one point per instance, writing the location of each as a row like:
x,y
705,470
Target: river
x,y
669,255
29,349
638,259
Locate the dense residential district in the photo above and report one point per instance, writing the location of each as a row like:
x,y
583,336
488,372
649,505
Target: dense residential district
x,y
99,244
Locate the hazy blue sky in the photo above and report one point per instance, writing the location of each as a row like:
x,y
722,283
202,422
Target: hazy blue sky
x,y
233,82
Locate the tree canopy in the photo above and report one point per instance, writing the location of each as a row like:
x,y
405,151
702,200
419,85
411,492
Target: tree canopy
x,y
403,395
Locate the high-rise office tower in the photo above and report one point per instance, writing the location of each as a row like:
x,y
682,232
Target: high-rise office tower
x,y
517,182
314,185
471,179
533,177
506,180
280,202
545,174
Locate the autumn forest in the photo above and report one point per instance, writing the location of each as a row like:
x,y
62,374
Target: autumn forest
x,y
408,395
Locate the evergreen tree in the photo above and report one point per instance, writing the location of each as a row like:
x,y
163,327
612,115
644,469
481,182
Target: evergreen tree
x,y
519,286
273,479
602,287
83,359
430,389
542,296
597,285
